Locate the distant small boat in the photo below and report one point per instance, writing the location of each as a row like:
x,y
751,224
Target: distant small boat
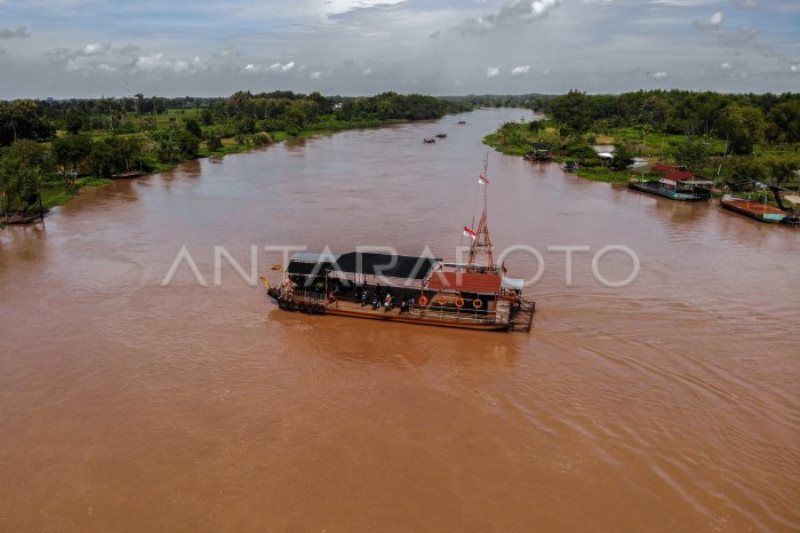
x,y
540,151
127,174
429,140
441,135
462,122
760,211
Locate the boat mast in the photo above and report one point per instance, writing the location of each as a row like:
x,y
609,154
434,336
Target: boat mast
x,y
482,244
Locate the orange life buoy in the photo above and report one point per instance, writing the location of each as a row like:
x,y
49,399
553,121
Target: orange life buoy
x,y
477,303
423,301
459,302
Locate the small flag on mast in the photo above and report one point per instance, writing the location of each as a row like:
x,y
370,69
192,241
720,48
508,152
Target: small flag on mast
x,y
483,180
469,233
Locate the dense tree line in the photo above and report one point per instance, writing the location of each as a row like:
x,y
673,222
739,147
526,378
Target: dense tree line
x,y
242,113
53,143
743,120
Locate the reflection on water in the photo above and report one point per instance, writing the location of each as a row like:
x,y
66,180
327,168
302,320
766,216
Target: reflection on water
x,y
672,403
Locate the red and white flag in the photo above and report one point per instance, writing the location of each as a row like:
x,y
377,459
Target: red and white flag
x,y
469,233
483,180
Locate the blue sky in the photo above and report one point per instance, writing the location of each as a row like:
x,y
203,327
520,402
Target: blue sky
x,y
88,48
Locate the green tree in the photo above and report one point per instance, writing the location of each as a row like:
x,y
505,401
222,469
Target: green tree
x,y
573,110
785,122
693,153
74,121
175,144
623,157
69,152
103,159
206,117
20,182
194,128
743,126
214,143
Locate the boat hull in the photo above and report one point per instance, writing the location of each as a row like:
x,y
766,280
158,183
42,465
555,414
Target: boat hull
x,y
417,317
761,213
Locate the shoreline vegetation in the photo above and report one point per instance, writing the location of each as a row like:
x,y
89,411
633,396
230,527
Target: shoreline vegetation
x,y
741,142
49,150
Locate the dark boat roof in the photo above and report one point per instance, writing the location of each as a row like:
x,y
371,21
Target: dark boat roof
x,y
393,266
367,263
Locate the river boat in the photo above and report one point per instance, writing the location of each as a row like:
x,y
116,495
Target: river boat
x,y
441,135
540,151
429,140
128,174
760,211
418,290
674,184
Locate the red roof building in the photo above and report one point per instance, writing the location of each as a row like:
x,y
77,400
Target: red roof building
x,y
679,175
664,169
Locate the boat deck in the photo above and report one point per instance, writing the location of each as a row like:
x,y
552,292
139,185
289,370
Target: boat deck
x,y
757,210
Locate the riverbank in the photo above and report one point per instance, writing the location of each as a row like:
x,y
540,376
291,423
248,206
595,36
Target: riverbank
x,y
43,154
704,156
57,192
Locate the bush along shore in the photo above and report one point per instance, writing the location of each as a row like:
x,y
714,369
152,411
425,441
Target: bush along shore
x,y
49,150
742,142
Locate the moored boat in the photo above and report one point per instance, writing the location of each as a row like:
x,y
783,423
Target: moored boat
x,y
674,184
760,211
429,140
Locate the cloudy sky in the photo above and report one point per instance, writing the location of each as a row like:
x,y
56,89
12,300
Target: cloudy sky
x,y
89,48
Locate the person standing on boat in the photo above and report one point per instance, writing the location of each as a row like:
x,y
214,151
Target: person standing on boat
x,y
387,302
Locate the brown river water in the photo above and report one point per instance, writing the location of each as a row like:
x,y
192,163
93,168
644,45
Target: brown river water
x,y
672,403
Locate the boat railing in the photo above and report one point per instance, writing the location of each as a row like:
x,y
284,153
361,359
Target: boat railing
x,y
308,296
447,313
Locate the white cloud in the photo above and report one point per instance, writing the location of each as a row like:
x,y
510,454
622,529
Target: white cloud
x,y
714,21
337,7
520,70
367,71
794,68
104,67
725,65
156,62
659,75
519,10
278,67
315,75
93,48
491,72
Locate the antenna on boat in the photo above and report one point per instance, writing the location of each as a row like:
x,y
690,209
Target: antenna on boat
x,y
482,242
